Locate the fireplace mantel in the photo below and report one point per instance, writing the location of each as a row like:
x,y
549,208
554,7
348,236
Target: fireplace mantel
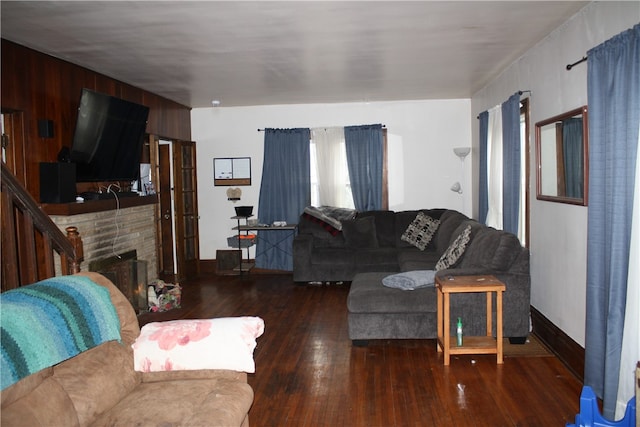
x,y
66,209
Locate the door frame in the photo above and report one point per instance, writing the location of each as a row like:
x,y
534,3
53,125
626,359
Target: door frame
x,y
186,209
155,141
181,267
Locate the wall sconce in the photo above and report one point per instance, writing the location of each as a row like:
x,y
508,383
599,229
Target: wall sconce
x,y
456,188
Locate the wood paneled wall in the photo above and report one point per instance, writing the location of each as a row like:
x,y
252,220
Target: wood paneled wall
x,y
38,86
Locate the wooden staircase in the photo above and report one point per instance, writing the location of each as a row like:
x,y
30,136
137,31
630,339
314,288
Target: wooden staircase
x,y
30,239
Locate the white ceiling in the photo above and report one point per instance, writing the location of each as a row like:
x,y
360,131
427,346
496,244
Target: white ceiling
x,y
288,52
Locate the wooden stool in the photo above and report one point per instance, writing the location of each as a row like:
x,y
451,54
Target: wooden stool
x,y
471,345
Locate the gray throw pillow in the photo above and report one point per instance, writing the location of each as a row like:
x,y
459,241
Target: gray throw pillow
x,y
421,230
455,250
360,233
410,280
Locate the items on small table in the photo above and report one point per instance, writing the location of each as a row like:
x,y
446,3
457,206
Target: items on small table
x,y
245,239
447,285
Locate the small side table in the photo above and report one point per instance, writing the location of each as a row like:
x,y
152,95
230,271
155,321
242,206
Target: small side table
x,y
448,285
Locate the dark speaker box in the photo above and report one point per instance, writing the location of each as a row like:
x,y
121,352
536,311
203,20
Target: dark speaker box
x,y
45,128
57,182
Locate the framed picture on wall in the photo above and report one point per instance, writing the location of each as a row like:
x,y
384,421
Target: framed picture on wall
x,y
232,171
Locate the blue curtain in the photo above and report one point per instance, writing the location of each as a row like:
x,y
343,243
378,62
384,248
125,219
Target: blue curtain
x,y
613,90
284,193
511,163
573,157
483,193
364,158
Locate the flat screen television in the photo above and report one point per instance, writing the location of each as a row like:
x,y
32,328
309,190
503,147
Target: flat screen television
x,y
108,138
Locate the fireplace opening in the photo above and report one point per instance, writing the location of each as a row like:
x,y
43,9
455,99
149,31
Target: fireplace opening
x,y
129,274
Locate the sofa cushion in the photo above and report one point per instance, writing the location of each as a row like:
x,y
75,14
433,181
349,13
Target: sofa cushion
x,y
191,344
415,259
46,405
98,379
332,256
376,259
493,249
360,233
421,230
449,222
455,250
506,252
215,402
385,226
367,295
410,280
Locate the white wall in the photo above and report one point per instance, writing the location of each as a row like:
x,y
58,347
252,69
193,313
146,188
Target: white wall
x,y
422,165
558,231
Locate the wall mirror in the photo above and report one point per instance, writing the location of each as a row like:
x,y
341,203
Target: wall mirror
x,y
562,154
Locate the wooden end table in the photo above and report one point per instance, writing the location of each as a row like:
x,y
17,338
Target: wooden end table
x,y
448,285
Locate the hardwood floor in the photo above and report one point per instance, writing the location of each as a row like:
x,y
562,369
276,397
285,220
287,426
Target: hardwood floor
x,y
309,374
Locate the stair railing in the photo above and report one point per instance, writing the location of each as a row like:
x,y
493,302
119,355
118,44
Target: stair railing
x,y
31,240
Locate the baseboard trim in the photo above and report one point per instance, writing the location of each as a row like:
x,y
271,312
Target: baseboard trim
x,y
210,266
562,345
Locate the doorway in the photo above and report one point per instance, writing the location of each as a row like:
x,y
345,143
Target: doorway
x,y
166,244
177,228
12,143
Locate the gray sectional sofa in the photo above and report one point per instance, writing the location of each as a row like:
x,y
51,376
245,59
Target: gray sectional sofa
x,y
370,248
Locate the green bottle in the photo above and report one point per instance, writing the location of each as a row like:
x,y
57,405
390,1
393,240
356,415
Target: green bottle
x,y
459,332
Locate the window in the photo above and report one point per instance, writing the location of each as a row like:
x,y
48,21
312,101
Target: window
x,y
340,191
330,184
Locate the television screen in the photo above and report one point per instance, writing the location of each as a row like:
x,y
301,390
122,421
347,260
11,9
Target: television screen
x,y
108,138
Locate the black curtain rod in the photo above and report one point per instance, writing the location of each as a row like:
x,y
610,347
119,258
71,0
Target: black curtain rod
x,y
520,92
570,66
262,130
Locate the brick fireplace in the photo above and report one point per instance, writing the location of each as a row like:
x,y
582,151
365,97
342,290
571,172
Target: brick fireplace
x,y
110,232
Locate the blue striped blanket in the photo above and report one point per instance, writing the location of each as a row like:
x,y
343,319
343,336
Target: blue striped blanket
x,y
51,321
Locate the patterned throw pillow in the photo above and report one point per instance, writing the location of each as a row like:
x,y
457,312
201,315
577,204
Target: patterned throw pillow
x,y
455,250
421,230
